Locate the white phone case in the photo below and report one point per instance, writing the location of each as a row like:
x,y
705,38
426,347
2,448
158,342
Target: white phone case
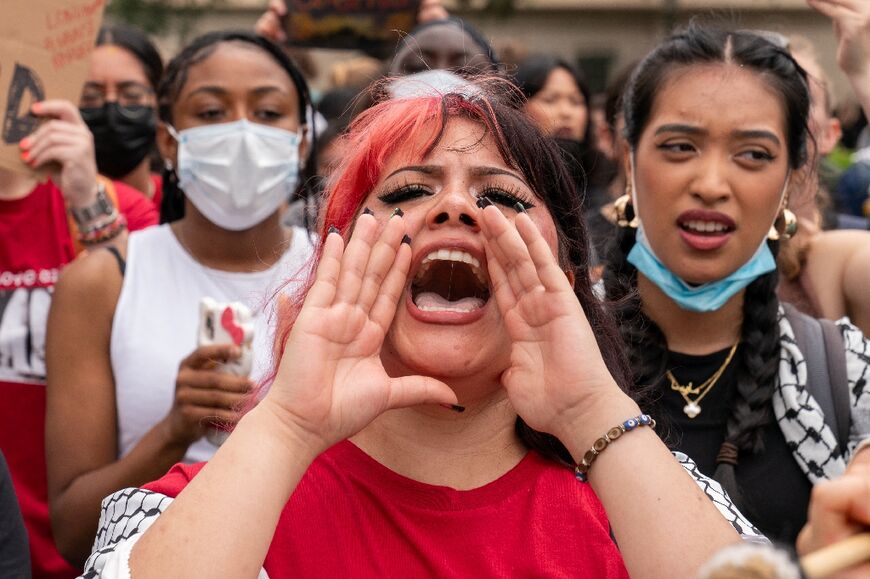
x,y
226,323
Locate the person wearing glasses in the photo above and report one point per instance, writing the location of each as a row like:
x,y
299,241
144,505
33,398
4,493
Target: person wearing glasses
x,y
118,104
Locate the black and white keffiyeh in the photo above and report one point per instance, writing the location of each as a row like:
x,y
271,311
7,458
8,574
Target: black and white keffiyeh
x,y
800,417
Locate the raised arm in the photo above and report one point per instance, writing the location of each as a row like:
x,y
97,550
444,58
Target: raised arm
x,y
851,20
558,383
65,146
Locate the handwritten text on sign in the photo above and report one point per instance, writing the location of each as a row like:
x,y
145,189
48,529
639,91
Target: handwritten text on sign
x,y
44,51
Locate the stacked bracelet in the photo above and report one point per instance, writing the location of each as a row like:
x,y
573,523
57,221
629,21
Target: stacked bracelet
x,y
581,471
103,231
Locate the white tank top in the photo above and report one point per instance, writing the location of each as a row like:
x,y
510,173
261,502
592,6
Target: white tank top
x,y
155,323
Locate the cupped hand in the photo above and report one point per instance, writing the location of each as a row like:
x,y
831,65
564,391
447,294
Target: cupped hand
x,y
851,20
557,373
205,395
331,382
65,145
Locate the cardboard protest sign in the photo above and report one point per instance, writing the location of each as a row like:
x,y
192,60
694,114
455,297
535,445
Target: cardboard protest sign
x,y
44,51
374,26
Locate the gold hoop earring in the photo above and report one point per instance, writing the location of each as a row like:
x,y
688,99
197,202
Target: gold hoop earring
x,y
622,207
785,226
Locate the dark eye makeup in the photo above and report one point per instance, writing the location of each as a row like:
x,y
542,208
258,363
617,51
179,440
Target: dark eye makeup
x,y
501,195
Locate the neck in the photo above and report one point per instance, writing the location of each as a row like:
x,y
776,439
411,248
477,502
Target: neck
x,y
255,249
438,446
695,333
15,185
140,178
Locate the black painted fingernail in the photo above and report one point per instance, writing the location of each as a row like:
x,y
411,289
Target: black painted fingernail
x,y
483,201
520,208
334,229
398,211
406,239
453,407
368,211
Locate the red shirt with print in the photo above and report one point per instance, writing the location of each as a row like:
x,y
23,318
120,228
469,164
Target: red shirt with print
x,y
35,244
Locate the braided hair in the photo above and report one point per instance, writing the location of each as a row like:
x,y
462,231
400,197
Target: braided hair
x,y
758,361
174,79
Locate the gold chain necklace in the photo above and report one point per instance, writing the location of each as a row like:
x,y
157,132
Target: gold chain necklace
x,y
693,406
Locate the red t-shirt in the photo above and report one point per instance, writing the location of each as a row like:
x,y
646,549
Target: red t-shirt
x,y
35,244
157,198
352,517
136,207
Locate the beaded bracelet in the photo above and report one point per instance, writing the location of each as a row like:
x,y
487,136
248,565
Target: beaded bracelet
x,y
104,231
581,471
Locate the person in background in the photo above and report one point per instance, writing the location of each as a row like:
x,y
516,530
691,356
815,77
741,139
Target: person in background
x,y
123,327
716,127
557,99
118,105
825,273
43,227
445,44
14,552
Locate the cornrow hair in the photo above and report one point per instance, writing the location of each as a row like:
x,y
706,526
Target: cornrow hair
x,y
174,79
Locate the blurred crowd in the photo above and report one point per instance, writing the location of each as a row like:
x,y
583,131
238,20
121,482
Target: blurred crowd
x,y
209,240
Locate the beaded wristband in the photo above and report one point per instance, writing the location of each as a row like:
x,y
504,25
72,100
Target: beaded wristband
x,y
105,232
581,471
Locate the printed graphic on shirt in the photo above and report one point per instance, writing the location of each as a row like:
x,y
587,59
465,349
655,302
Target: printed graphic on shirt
x,y
23,319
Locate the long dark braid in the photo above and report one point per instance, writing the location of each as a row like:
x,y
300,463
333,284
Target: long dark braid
x,y
647,347
752,409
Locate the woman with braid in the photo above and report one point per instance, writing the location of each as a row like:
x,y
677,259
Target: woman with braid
x,y
716,125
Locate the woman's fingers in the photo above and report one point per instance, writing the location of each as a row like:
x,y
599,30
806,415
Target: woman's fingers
x,y
210,398
413,390
322,292
501,286
384,308
511,251
381,261
551,275
355,259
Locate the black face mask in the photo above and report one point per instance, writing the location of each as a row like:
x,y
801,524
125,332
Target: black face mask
x,y
123,136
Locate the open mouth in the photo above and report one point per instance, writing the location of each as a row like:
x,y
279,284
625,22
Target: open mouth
x,y
450,280
709,228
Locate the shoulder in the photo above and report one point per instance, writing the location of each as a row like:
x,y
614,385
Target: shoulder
x,y
94,275
830,251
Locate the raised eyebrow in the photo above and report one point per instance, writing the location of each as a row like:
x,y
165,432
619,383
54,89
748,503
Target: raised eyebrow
x,y
680,128
758,134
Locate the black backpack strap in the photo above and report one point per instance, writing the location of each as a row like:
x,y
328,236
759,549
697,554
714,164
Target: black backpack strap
x,y
122,265
810,339
835,348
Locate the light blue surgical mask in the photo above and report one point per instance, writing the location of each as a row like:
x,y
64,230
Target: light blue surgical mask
x,y
707,297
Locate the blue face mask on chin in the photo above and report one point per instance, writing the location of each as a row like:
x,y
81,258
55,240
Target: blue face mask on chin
x,y
707,297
